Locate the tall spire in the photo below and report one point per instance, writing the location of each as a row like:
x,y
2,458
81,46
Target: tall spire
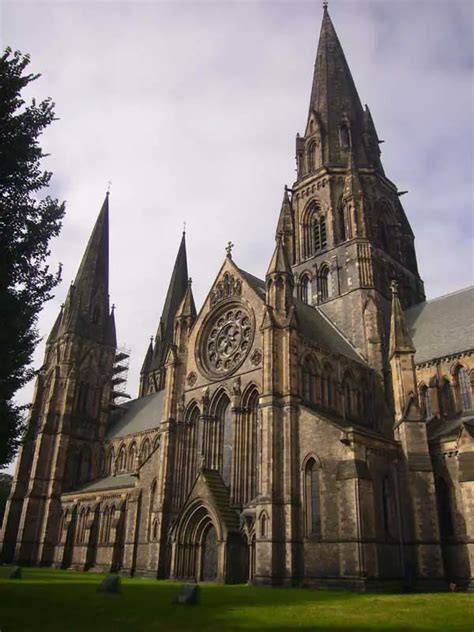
x,y
93,273
86,310
176,291
334,100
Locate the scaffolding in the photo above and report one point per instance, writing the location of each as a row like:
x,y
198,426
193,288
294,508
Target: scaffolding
x,y
120,377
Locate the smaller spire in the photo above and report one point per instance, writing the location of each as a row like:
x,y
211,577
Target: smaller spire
x,y
279,263
285,220
187,309
400,339
148,357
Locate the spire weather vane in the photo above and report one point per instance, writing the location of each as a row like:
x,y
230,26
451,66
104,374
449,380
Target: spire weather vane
x,y
109,184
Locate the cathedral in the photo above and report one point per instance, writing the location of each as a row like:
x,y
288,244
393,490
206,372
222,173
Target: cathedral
x,y
314,427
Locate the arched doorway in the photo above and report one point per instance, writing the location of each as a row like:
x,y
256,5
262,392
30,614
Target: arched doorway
x,y
209,555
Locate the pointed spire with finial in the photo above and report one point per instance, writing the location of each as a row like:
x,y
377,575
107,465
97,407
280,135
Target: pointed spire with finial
x,y
279,263
400,339
86,309
285,220
174,296
148,357
334,98
187,309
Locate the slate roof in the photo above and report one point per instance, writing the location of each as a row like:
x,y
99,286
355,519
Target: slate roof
x,y
110,482
314,324
136,415
443,326
220,495
255,283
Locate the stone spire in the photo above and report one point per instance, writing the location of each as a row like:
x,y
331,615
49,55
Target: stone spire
x,y
148,357
176,291
187,309
279,264
400,339
285,226
86,310
334,99
280,281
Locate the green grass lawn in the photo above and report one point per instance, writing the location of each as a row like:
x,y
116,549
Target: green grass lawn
x,y
66,601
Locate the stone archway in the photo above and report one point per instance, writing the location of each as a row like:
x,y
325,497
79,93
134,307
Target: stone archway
x,y
197,546
209,555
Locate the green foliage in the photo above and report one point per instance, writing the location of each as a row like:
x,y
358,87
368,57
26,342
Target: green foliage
x,y
27,224
64,600
5,486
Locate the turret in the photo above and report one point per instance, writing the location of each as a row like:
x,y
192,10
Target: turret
x,y
279,281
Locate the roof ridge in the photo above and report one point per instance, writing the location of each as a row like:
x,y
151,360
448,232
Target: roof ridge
x,y
438,298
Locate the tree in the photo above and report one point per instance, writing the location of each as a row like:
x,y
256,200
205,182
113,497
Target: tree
x,y
27,224
5,487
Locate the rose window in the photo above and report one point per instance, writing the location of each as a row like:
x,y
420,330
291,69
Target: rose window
x,y
228,340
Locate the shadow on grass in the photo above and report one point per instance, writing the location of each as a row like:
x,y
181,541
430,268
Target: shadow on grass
x,y
57,601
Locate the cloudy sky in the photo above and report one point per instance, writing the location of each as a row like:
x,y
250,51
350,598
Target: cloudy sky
x,y
191,108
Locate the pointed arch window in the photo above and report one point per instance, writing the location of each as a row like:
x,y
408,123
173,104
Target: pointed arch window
x,y
328,388
305,287
122,459
312,498
464,388
323,282
249,474
220,441
320,234
132,457
311,381
351,397
342,223
425,401
145,451
110,461
447,402
311,156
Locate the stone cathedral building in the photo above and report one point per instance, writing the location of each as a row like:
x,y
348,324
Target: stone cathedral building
x,y
313,427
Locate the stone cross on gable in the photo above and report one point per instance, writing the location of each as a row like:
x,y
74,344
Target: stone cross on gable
x,y
228,249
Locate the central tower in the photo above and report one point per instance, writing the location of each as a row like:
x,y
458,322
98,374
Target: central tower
x,y
344,227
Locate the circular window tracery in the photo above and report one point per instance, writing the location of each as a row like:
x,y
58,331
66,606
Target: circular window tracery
x,y
228,340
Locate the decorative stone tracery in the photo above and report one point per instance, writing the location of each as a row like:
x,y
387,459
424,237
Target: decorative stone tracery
x,y
228,340
227,287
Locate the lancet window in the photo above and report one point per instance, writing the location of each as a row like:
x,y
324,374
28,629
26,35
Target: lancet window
x,y
314,231
312,498
305,288
464,388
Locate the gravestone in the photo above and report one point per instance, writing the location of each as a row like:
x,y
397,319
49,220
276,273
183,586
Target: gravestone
x,y
188,594
14,573
111,584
